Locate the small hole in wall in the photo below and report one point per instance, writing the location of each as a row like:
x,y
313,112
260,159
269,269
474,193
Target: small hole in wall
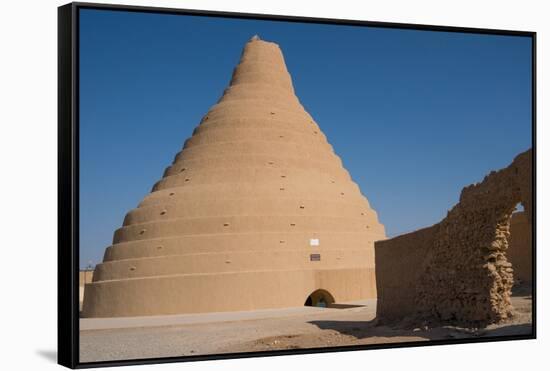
x,y
302,207
132,268
159,247
281,136
332,181
171,194
226,224
228,262
270,163
342,193
163,212
272,113
282,241
281,189
362,213
367,227
187,179
283,176
142,231
182,169
292,224
314,132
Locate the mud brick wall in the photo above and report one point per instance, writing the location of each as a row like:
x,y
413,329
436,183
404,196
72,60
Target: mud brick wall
x,y
461,274
397,261
520,248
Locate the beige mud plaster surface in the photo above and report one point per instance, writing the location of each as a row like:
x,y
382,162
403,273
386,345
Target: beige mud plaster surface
x,y
520,248
230,224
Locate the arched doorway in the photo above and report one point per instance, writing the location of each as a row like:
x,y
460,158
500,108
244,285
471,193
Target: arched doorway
x,y
319,298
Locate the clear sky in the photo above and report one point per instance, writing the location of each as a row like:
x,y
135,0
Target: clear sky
x,y
414,115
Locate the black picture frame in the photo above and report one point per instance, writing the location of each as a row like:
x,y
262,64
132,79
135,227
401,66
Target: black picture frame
x,y
68,180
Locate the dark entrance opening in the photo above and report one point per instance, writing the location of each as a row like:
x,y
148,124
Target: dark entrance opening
x,y
319,298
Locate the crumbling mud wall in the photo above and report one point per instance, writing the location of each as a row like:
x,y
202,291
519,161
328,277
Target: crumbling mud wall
x,y
457,271
397,261
520,248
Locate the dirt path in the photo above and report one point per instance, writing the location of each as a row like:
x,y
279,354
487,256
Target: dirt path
x,y
326,328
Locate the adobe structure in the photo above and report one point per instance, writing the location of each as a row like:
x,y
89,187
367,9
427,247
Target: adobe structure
x,y
255,212
84,277
520,248
457,271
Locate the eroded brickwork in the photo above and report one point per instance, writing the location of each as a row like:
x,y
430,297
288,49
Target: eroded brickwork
x,y
464,277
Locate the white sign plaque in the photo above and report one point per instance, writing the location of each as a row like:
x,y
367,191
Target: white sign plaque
x,y
314,242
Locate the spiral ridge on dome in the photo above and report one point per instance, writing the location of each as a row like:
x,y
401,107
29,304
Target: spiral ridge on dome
x,y
256,211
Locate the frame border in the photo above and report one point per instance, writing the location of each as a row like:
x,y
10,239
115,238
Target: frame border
x,y
68,180
67,189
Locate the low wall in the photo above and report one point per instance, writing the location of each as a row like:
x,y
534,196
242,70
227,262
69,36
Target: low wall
x,y
84,277
398,262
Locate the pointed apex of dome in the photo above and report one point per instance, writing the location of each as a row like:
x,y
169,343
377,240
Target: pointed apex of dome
x,y
262,62
224,195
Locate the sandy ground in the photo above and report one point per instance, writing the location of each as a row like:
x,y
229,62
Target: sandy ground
x,y
293,328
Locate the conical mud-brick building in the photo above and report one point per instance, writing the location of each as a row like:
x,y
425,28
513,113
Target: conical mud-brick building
x,y
255,212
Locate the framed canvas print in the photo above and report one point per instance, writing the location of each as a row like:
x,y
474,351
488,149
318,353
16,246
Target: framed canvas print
x,y
242,185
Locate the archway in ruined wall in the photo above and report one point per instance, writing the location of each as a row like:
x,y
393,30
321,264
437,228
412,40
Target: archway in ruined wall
x,y
466,277
457,271
319,298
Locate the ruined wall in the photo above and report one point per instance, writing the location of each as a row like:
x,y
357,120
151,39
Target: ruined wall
x,y
520,248
459,274
397,272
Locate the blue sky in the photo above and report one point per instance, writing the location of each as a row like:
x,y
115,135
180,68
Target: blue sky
x,y
414,115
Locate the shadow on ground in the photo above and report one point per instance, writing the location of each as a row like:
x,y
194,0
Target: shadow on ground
x,y
368,329
520,324
345,306
520,329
